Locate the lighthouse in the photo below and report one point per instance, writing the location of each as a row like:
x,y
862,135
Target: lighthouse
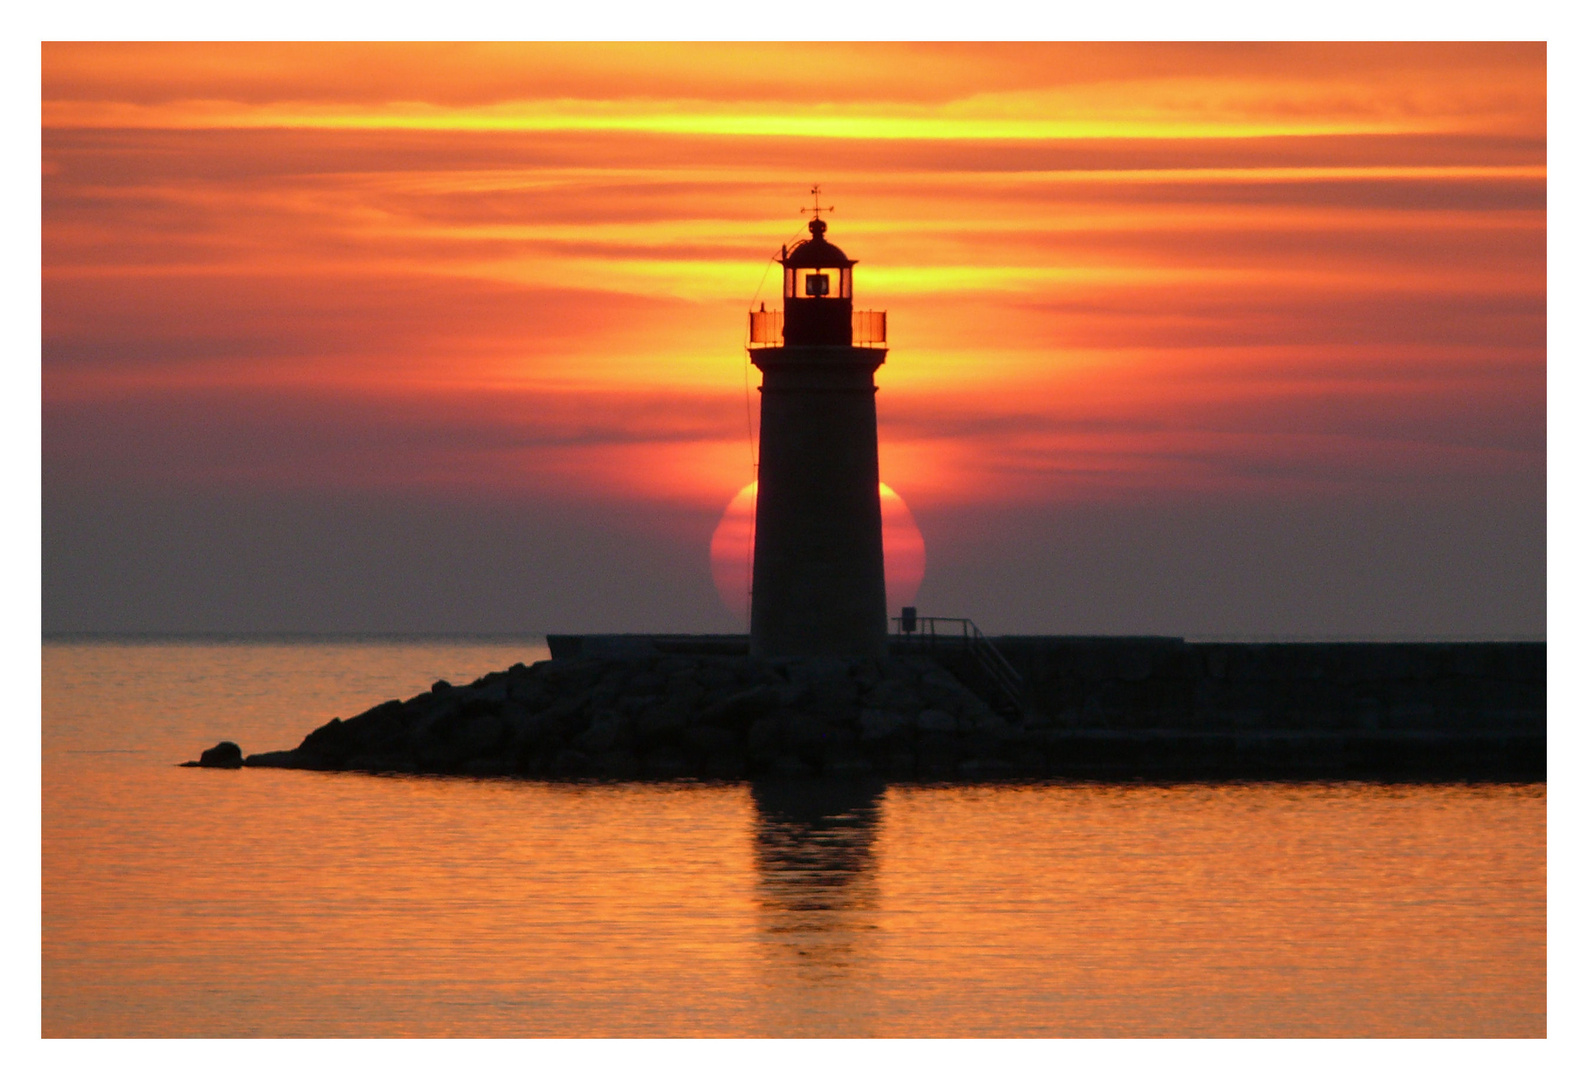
x,y
817,586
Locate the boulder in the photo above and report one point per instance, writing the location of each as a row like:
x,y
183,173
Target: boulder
x,y
709,740
665,763
223,755
271,759
742,709
685,690
605,732
616,765
661,722
766,739
846,764
986,769
877,725
728,766
806,732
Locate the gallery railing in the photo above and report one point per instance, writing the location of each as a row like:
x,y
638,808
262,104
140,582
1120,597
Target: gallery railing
x,y
867,329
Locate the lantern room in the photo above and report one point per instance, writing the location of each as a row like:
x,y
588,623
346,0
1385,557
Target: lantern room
x,y
818,291
816,269
818,300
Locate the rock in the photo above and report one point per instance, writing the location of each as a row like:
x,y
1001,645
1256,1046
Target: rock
x,y
715,676
1034,720
898,763
789,765
440,686
616,765
934,763
531,694
491,692
806,732
711,741
571,763
833,692
272,759
563,714
395,764
665,763
724,766
936,720
603,734
939,686
1029,760
986,768
648,682
482,734
661,722
792,695
846,764
742,709
765,738
892,695
223,755
685,690
877,725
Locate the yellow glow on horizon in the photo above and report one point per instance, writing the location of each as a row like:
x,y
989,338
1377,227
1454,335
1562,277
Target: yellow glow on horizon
x,y
697,118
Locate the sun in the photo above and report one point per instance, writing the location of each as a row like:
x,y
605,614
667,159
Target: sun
x,y
733,548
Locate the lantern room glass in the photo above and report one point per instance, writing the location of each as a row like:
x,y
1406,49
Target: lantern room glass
x,y
797,286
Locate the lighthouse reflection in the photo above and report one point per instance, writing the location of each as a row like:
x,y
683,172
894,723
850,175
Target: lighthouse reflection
x,y
816,871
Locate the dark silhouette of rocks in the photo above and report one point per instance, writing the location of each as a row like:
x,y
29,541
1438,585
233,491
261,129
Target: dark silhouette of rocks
x,y
663,717
712,716
223,755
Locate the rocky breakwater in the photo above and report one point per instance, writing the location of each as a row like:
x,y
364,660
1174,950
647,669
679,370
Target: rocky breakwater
x,y
1133,709
676,716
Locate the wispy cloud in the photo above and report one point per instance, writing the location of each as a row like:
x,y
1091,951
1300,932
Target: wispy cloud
x,y
1117,270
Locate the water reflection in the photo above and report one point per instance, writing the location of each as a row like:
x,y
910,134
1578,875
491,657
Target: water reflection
x,y
816,871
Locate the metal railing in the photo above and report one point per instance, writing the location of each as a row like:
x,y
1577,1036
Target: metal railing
x,y
965,634
766,327
866,328
869,328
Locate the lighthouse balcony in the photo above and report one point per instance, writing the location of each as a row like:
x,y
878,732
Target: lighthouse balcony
x,y
867,329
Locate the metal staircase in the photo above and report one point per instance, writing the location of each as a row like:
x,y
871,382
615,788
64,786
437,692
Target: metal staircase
x,y
944,638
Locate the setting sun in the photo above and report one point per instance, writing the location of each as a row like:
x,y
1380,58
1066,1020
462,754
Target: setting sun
x,y
733,544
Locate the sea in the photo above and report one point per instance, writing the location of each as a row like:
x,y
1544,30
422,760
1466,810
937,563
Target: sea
x,y
194,902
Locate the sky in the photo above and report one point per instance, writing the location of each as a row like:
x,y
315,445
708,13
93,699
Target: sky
x,y
1207,340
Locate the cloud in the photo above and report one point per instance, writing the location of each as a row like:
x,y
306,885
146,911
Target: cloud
x,y
519,273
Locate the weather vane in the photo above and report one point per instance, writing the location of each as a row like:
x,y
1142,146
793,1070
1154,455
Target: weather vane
x,y
816,198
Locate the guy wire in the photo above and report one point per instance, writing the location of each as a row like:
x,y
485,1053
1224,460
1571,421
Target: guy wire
x,y
749,422
749,432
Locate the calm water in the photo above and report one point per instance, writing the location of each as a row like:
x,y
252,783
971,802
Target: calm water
x,y
183,902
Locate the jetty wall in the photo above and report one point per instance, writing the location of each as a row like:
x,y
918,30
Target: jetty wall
x,y
1169,684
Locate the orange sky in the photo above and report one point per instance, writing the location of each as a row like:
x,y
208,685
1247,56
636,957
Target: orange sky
x,y
1115,273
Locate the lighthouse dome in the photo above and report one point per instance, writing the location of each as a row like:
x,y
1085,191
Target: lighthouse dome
x,y
817,251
